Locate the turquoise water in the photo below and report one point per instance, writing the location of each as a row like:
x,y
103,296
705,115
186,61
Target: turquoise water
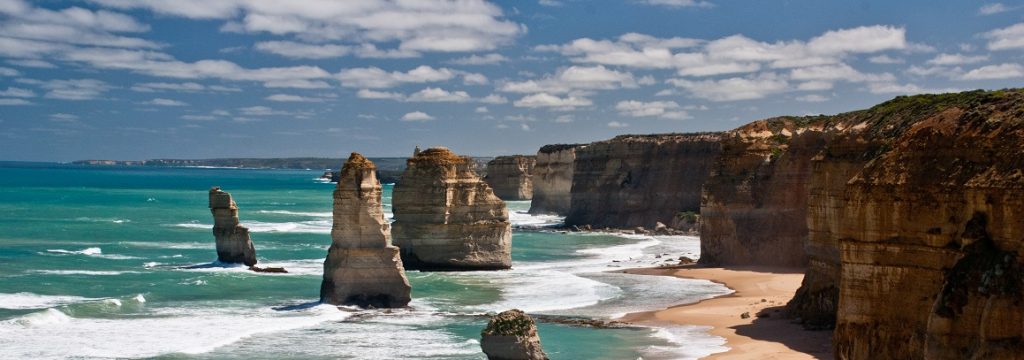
x,y
92,266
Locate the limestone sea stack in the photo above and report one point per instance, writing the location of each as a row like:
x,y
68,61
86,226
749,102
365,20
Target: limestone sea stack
x,y
233,242
511,176
447,218
362,267
640,180
511,335
552,179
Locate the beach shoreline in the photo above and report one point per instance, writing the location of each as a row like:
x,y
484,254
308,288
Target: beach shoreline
x,y
761,292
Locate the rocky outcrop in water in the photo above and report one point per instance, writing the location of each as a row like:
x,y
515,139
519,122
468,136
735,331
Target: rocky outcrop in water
x,y
552,179
511,335
233,242
510,177
754,205
640,180
446,218
362,267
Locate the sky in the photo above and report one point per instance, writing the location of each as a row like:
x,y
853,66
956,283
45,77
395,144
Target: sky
x,y
140,79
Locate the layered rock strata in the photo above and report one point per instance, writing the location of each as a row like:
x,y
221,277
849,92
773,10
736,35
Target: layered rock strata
x,y
362,267
233,242
754,204
447,218
640,180
552,179
511,335
510,177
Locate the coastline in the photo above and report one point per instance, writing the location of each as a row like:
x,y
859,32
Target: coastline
x,y
757,290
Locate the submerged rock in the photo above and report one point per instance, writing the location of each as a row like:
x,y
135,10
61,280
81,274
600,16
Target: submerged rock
x,y
446,218
511,335
511,176
233,242
362,267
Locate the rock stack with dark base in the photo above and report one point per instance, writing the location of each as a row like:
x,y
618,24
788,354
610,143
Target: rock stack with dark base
x,y
362,267
233,243
511,176
512,335
446,218
552,179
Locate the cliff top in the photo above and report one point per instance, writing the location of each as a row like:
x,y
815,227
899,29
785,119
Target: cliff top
x,y
511,158
547,149
509,323
357,161
697,136
439,155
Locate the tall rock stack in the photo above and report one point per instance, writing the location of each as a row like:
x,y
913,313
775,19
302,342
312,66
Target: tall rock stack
x,y
552,179
511,176
511,335
233,242
446,218
362,267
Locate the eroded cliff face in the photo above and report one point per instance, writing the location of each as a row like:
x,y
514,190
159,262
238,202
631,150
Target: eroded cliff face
x,y
640,180
362,267
552,179
511,177
447,218
754,202
511,335
233,242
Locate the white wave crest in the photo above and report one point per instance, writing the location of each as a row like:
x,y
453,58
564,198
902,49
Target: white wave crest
x,y
26,300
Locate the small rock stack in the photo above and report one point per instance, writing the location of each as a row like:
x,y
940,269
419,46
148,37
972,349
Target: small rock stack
x,y
233,242
512,335
362,267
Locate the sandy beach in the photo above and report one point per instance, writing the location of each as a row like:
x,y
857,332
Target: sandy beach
x,y
758,290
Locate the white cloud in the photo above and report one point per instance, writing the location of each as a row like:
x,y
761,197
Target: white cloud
x,y
17,92
72,25
163,86
376,78
33,63
885,59
199,117
550,3
8,72
493,99
296,50
956,59
487,59
904,89
417,116
474,79
677,3
431,94
732,89
292,98
662,109
617,125
481,110
297,84
864,39
545,100
465,25
1010,37
840,72
991,72
76,89
62,117
812,98
993,8
373,94
14,102
564,119
574,78
165,102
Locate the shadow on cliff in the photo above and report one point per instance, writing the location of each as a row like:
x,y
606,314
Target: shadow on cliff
x,y
770,325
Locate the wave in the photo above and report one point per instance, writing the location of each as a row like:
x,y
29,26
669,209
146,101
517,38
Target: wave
x,y
109,220
83,272
300,267
297,213
302,227
92,251
26,300
55,334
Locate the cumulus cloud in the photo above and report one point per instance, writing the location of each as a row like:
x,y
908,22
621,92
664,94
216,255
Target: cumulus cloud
x,y
956,59
545,100
443,26
574,78
992,72
296,50
417,116
486,59
677,3
14,102
17,93
1010,37
292,98
75,89
165,102
439,95
617,125
377,78
163,86
992,9
662,109
735,88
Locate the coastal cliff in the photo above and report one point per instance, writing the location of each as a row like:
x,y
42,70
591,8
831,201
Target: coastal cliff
x,y
510,177
640,180
447,218
362,267
233,242
754,202
552,179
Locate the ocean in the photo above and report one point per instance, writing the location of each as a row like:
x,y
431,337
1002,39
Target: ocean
x,y
93,265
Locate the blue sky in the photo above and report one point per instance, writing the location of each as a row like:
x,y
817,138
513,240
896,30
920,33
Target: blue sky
x,y
137,79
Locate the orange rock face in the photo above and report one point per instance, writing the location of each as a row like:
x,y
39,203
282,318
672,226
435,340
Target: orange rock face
x,y
511,177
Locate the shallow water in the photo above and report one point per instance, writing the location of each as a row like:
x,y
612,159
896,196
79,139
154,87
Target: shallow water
x,y
91,257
